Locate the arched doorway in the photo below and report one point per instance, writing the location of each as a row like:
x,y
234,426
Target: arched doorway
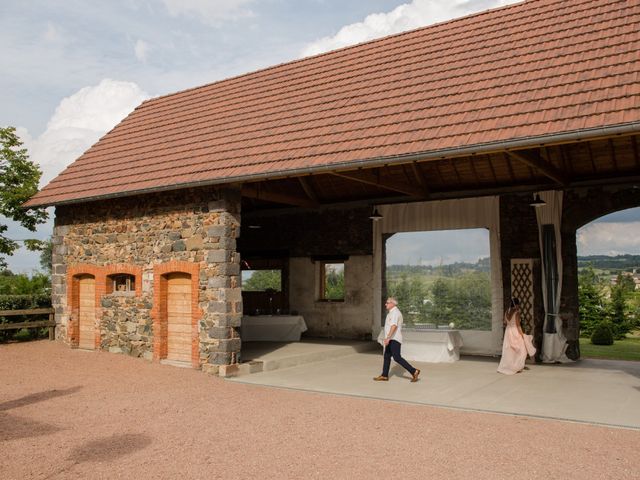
x,y
179,317
608,261
87,312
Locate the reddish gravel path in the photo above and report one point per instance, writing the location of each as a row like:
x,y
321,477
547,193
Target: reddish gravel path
x,y
71,414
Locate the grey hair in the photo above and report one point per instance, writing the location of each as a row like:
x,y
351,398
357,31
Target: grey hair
x,y
393,300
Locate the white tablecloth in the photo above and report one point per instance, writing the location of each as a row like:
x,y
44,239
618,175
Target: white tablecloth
x,y
434,346
272,328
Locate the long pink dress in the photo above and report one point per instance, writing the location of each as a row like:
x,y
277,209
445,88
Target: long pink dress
x,y
515,348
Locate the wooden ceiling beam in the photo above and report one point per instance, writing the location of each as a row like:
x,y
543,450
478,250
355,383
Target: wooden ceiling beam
x,y
370,178
259,193
534,160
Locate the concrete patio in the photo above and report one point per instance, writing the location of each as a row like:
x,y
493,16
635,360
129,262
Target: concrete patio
x,y
592,391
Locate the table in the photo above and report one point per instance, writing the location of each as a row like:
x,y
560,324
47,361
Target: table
x,y
272,328
433,346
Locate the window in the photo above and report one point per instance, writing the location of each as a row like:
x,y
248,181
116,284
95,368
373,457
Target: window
x,y
262,281
332,281
121,283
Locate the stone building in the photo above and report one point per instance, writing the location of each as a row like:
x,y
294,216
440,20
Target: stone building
x,y
456,125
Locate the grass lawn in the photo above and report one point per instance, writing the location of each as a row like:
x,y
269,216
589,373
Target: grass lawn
x,y
627,349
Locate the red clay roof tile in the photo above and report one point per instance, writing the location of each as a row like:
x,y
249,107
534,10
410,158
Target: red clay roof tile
x,y
528,70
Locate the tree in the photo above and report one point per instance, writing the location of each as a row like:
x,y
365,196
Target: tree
x,y
618,311
592,307
19,179
46,255
262,280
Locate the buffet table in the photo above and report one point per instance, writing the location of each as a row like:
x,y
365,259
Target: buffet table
x,y
433,346
272,328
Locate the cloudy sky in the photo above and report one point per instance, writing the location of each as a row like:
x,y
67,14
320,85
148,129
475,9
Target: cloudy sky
x,y
74,68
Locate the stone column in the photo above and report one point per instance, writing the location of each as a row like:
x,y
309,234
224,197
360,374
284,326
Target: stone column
x,y
221,294
59,280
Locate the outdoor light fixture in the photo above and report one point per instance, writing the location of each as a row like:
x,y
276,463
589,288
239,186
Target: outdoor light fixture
x,y
375,216
537,201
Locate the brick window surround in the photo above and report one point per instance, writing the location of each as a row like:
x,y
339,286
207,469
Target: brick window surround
x,y
100,275
159,310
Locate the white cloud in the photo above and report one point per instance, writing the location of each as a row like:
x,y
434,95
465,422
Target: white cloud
x,y
208,11
52,33
79,121
607,238
141,50
405,17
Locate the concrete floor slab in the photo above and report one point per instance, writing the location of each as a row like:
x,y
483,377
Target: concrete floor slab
x,y
591,391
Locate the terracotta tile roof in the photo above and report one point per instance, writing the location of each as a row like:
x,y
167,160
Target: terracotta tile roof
x,y
521,73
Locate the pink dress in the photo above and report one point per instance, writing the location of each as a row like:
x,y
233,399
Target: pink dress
x,y
515,348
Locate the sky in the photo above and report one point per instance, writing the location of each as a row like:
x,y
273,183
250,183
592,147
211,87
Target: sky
x,y
72,69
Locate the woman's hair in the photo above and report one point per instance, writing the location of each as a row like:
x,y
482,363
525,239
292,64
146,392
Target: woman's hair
x,y
514,302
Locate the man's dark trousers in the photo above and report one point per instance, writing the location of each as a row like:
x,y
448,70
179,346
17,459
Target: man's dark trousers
x,y
393,350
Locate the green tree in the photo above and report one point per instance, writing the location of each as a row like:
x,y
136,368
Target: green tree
x,y
46,254
592,305
19,179
334,283
618,310
411,294
21,284
262,280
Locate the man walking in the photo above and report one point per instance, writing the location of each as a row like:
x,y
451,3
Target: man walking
x,y
393,342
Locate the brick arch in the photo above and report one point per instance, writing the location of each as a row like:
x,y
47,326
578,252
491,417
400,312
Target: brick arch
x,y
158,312
74,273
123,268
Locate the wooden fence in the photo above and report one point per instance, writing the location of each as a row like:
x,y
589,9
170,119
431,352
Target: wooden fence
x,y
51,323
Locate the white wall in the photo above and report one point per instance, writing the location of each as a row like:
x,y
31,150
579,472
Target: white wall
x,y
350,319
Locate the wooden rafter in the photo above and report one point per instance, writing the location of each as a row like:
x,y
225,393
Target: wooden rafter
x,y
594,168
634,146
474,171
493,170
308,189
370,178
260,193
420,176
512,175
455,170
535,161
613,154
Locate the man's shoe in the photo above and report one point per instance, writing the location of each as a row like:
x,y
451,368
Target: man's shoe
x,y
380,378
414,377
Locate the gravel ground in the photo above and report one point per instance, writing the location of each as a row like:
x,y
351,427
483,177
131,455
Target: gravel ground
x,y
72,414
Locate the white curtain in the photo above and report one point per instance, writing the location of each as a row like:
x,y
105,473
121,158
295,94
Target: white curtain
x,y
483,212
554,345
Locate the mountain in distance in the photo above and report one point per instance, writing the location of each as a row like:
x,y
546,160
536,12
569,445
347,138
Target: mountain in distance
x,y
626,262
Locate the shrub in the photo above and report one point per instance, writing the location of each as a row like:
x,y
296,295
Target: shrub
x,y
602,334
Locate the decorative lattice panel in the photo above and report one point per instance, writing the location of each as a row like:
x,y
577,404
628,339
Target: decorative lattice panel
x,y
522,288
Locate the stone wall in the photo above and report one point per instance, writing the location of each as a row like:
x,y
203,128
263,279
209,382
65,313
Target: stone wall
x,y
126,325
196,227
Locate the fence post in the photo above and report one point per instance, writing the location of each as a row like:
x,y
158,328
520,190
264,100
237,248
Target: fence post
x,y
52,329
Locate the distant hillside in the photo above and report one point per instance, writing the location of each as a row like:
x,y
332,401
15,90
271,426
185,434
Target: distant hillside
x,y
482,265
619,262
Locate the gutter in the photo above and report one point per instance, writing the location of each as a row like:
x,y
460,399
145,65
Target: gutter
x,y
516,144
